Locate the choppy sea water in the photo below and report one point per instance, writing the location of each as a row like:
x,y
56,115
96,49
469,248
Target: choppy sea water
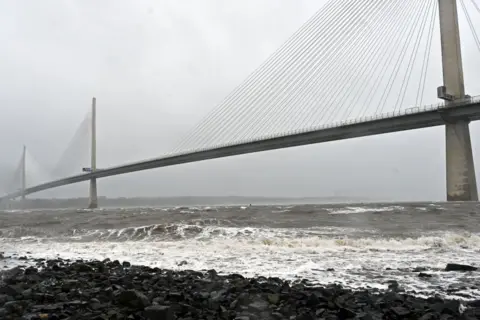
x,y
358,246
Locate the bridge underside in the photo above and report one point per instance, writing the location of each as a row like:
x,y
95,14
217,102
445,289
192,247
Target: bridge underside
x,y
424,119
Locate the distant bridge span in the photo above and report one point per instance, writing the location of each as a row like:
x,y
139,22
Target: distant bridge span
x,y
415,119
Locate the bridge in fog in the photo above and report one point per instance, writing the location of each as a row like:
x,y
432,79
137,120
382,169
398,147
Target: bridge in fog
x,y
338,77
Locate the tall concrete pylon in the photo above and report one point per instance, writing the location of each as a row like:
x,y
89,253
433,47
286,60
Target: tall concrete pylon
x,y
23,173
93,199
461,181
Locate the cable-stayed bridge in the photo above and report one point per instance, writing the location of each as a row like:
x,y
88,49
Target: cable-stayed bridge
x,y
347,72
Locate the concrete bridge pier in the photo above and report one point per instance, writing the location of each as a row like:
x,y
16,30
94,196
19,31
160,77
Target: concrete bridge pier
x,y
461,181
23,177
93,199
24,172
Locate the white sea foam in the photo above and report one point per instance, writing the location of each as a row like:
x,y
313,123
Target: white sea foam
x,y
349,210
286,253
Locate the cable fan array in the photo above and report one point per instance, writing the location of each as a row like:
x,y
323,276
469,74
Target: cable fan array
x,y
350,60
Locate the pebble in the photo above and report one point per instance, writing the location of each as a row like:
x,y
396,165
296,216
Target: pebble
x,y
110,290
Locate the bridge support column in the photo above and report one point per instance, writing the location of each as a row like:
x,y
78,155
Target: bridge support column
x,y
461,182
23,176
93,199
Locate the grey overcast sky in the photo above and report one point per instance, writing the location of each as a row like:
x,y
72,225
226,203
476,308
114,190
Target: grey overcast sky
x,y
157,67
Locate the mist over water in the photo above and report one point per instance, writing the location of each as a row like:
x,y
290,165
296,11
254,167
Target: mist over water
x,y
357,245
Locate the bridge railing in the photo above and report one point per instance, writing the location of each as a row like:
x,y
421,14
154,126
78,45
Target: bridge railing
x,y
391,114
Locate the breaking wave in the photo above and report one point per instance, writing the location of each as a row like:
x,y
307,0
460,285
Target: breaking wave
x,y
349,210
319,238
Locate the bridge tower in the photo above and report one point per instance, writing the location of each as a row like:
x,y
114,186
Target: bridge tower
x,y
461,181
23,173
93,199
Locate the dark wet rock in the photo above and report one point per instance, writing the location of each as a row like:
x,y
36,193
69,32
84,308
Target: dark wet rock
x,y
27,294
393,285
114,263
459,267
400,312
258,306
10,290
30,271
273,298
430,316
4,298
159,313
474,303
13,275
14,307
182,263
424,275
60,289
82,267
133,298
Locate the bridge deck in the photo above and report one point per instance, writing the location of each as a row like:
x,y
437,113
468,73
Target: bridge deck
x,y
415,119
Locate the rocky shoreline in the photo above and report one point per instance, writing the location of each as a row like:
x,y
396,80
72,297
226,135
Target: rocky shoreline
x,y
103,290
